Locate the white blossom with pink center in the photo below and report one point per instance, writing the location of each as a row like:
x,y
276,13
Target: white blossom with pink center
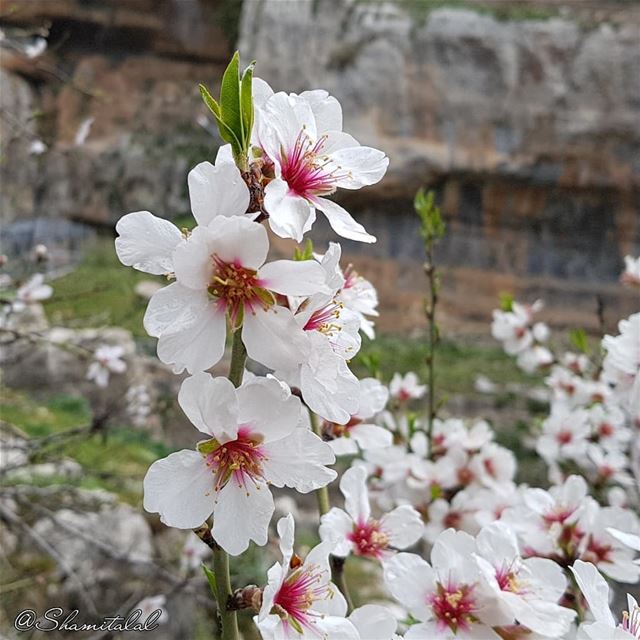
x,y
32,291
565,434
360,432
446,596
221,275
596,592
302,142
354,530
300,601
253,441
107,360
527,590
359,295
406,387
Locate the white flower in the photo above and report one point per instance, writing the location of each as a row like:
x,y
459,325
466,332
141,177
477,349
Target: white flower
x,y
535,358
359,431
565,434
220,273
300,601
374,622
193,553
445,596
621,365
301,137
37,147
457,514
608,426
149,606
34,290
596,592
355,531
493,465
107,360
404,388
253,441
610,466
359,295
631,275
527,590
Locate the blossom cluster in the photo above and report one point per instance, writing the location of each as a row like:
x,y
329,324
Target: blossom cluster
x,y
500,552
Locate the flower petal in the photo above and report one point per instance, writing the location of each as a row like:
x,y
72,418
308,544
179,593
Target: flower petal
x,y
371,436
374,622
326,110
180,488
298,461
290,215
335,526
146,242
595,591
241,514
274,339
293,277
403,525
239,240
364,166
211,405
217,191
409,579
342,222
353,486
192,260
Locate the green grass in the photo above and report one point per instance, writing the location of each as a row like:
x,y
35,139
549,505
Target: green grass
x,y
457,363
100,292
116,461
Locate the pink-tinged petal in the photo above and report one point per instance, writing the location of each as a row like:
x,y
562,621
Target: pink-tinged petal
x,y
410,580
335,526
192,261
241,514
217,191
371,436
273,338
269,408
403,526
211,405
374,622
239,240
326,110
290,215
299,461
342,222
293,277
353,486
190,327
360,166
180,488
146,242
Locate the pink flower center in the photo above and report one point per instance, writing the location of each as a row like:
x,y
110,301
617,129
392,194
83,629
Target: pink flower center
x,y
350,277
605,430
489,467
297,594
306,170
564,437
631,622
240,459
452,520
559,515
404,395
236,288
507,580
323,319
368,539
597,552
454,606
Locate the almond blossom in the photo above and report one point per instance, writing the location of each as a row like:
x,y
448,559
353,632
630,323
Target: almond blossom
x,y
595,590
220,274
359,431
407,387
374,622
565,434
300,601
446,596
253,441
353,530
107,360
359,295
310,157
527,589
34,290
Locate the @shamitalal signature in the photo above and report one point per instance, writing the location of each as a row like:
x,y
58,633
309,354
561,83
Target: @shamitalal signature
x,y
57,619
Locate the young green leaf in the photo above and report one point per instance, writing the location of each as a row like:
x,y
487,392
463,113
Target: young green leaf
x,y
225,132
579,340
506,302
211,579
230,101
246,104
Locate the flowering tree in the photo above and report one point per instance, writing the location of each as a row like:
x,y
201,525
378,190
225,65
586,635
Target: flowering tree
x,y
500,553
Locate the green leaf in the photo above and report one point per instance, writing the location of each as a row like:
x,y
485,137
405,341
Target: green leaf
x,y
230,110
246,104
211,579
433,227
225,132
304,254
506,302
579,340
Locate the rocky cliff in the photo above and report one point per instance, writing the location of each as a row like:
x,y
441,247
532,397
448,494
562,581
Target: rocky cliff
x,y
525,124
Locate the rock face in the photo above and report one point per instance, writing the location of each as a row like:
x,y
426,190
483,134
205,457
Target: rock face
x,y
527,130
